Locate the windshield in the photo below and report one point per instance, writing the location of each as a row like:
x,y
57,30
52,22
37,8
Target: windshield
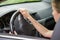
x,y
5,2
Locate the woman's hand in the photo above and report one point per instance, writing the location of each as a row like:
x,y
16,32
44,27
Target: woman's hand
x,y
15,33
25,13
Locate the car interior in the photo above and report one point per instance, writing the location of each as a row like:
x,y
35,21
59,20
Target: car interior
x,y
11,19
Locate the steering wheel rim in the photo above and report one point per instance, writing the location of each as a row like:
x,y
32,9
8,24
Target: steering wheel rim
x,y
29,27
12,21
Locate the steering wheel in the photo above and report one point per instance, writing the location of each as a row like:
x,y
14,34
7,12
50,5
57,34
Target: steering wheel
x,y
21,26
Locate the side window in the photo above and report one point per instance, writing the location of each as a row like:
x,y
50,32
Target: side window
x,y
4,2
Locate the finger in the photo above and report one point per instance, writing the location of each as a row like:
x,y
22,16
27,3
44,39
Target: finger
x,y
23,10
15,32
10,33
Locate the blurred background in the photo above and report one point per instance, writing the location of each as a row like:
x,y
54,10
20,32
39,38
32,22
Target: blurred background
x,y
3,2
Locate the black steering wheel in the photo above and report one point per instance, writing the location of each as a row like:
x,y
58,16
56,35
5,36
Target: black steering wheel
x,y
21,26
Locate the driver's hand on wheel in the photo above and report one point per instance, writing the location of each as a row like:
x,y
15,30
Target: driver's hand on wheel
x,y
15,33
24,12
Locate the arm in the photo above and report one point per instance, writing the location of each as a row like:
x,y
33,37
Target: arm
x,y
40,28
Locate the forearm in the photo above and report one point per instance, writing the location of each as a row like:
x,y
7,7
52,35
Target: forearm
x,y
40,28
